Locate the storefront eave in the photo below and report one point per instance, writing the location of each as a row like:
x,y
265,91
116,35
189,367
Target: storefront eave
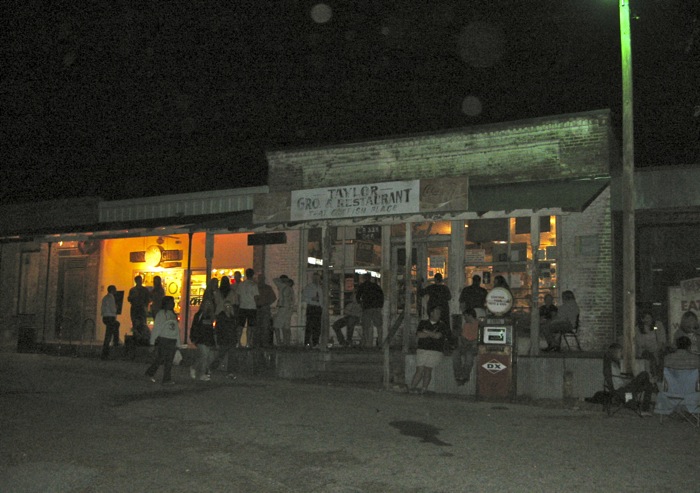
x,y
414,218
564,195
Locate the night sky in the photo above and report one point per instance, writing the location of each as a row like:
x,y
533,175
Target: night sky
x,y
122,99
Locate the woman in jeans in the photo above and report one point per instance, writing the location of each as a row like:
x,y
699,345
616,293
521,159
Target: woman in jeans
x,y
204,338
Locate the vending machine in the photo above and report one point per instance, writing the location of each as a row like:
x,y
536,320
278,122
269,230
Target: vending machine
x,y
496,355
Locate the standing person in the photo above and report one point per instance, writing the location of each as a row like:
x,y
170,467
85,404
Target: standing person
x,y
165,338
225,324
438,295
565,321
263,324
203,334
463,356
650,343
474,297
236,300
371,298
285,307
139,297
157,295
313,297
352,316
109,318
248,294
431,335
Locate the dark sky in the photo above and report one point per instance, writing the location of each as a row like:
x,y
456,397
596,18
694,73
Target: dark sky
x,y
121,99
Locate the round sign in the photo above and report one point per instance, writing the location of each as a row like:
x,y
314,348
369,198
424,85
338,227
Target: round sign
x,y
499,301
154,254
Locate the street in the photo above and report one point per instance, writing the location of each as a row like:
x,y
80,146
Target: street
x,y
85,425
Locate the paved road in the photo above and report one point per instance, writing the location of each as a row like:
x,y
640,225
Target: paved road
x,y
84,425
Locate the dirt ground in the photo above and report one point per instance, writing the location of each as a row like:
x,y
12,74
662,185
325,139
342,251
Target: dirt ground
x,y
85,425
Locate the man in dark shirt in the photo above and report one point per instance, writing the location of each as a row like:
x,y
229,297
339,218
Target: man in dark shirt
x,y
473,297
438,295
371,298
139,297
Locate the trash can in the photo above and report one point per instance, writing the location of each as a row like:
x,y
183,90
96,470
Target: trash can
x,y
496,355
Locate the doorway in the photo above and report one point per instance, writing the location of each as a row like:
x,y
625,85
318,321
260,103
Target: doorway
x,y
70,298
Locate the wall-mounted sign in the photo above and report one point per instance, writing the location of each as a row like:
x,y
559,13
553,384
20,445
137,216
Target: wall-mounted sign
x,y
368,233
373,199
267,239
154,255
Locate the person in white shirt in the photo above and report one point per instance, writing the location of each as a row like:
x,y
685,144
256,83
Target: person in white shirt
x,y
165,337
109,318
285,307
248,294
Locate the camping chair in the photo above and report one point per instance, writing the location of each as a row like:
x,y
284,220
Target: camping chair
x,y
573,333
680,395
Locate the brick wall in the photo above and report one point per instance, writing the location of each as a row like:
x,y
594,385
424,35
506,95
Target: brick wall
x,y
586,269
282,259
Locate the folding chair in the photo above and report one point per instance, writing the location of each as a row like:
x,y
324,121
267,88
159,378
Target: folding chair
x,y
680,395
573,333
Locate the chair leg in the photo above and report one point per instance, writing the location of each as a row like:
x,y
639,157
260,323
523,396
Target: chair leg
x,y
578,344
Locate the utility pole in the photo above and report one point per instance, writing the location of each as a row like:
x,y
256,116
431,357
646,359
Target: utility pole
x,y
628,199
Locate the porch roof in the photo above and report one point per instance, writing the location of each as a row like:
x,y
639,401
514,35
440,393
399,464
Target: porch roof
x,y
567,195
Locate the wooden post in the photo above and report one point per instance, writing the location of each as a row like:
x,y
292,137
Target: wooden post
x,y
408,291
535,279
325,314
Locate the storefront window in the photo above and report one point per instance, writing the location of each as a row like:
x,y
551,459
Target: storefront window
x,y
354,251
502,247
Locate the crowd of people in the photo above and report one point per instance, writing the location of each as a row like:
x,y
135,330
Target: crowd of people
x,y
249,313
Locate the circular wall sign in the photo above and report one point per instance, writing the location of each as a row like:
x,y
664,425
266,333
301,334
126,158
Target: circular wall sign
x,y
499,301
154,254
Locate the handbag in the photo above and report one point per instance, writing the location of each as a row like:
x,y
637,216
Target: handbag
x,y
177,359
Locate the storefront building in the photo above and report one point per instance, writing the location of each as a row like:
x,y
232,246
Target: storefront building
x,y
57,258
528,200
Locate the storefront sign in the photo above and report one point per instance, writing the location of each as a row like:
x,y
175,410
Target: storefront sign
x,y
267,239
474,255
368,233
374,199
494,366
682,299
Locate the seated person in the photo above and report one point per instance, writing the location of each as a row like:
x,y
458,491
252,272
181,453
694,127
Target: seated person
x,y
621,383
353,313
682,358
548,310
564,321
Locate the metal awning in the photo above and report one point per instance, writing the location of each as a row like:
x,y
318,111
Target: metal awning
x,y
231,221
567,195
